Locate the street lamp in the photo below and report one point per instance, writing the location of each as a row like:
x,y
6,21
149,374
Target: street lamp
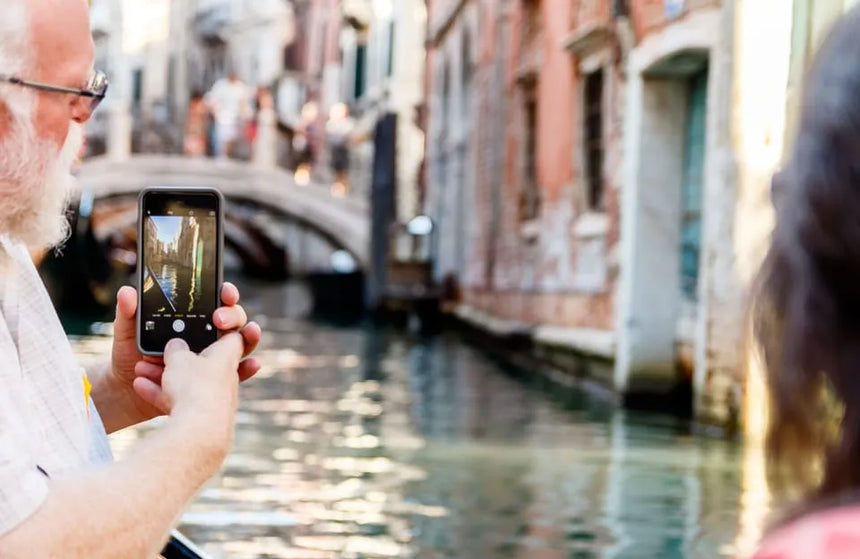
x,y
420,226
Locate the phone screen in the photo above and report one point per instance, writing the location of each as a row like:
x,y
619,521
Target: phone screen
x,y
180,265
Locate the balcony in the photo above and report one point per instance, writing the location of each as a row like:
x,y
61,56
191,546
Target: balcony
x,y
591,26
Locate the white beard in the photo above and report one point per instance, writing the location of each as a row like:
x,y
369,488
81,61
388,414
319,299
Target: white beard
x,y
36,184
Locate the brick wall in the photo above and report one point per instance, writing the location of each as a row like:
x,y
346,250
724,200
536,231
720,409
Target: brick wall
x,y
566,310
529,272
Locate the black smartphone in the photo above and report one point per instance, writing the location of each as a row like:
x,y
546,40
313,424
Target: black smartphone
x,y
180,266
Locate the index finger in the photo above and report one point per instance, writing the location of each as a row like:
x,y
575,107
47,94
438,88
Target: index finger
x,y
229,347
229,294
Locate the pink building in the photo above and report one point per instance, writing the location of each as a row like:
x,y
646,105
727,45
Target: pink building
x,y
523,159
573,148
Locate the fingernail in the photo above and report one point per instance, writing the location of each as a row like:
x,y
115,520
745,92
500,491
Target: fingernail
x,y
216,317
176,344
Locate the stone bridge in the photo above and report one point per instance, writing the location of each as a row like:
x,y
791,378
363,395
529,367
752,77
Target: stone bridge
x,y
344,220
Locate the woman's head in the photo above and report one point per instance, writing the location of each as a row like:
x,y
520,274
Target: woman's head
x,y
806,313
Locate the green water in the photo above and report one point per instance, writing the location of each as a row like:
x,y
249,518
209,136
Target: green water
x,y
362,442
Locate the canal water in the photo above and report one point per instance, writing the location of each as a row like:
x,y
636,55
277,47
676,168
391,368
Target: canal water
x,y
364,442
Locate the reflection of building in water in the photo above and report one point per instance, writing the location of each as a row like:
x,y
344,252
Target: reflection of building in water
x,y
474,425
567,478
665,498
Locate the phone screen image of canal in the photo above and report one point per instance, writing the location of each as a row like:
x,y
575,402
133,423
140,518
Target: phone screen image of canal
x,y
363,442
181,286
179,254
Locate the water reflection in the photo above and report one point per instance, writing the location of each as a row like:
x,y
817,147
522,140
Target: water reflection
x,y
355,442
171,278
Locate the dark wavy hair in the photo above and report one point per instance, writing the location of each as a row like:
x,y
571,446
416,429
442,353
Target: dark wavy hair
x,y
806,303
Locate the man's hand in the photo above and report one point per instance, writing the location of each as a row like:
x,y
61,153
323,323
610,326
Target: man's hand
x,y
116,399
199,390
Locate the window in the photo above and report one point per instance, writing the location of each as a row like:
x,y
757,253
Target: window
x,y
531,19
360,70
530,198
172,92
322,49
446,98
620,8
593,143
389,68
137,87
466,79
694,163
292,56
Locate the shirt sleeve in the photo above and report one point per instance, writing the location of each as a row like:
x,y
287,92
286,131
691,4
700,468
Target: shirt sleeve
x,y
23,488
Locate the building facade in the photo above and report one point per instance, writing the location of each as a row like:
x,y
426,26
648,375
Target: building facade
x,y
524,151
599,173
680,298
159,53
366,55
381,50
242,36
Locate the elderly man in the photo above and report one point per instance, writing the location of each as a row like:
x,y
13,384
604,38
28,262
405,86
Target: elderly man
x,y
61,495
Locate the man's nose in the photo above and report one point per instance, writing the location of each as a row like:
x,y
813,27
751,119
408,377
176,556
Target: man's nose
x,y
81,110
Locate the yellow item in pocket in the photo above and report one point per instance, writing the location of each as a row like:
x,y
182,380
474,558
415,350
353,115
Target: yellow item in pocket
x,y
87,389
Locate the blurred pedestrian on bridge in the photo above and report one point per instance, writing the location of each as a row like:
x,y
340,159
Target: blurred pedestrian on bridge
x,y
263,129
230,103
339,136
304,149
197,127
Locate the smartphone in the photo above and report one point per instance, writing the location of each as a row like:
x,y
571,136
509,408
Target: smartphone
x,y
180,266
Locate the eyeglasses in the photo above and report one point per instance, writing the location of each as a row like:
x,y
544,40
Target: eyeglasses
x,y
95,89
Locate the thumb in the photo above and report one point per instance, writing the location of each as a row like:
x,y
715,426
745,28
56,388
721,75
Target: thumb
x,y
174,349
126,310
152,394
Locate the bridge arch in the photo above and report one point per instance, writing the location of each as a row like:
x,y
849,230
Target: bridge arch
x,y
343,220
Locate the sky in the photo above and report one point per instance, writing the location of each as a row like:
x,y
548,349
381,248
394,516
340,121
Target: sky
x,y
167,227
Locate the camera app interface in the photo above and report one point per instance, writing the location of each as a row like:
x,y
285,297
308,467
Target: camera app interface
x,y
179,271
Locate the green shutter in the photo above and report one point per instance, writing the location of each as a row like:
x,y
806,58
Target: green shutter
x,y
694,178
360,71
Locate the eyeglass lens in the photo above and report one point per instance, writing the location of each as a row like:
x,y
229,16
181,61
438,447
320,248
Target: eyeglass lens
x,y
97,85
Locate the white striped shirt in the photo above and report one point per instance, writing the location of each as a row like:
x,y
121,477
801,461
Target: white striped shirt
x,y
46,427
